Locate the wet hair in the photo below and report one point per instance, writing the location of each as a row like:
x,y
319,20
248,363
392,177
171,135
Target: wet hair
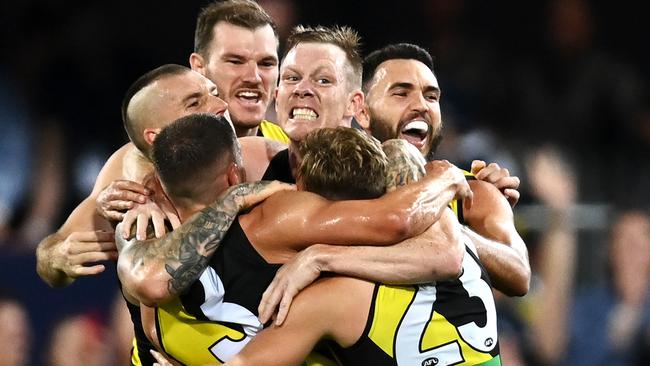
x,y
342,163
192,151
399,51
134,129
346,38
243,13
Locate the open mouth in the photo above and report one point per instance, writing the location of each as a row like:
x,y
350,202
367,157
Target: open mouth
x,y
249,96
307,114
415,132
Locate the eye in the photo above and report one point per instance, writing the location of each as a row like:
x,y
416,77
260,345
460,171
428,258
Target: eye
x,y
234,61
193,104
214,92
268,63
323,81
432,97
400,93
290,78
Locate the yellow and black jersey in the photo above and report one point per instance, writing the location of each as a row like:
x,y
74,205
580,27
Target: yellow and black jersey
x,y
272,131
218,315
443,323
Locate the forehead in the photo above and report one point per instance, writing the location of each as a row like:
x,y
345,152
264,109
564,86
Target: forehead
x,y
403,71
174,88
230,38
312,56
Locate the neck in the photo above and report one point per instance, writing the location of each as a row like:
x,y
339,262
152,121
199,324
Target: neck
x,y
243,131
294,157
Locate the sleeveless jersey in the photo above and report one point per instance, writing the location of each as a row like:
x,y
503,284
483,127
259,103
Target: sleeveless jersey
x,y
140,355
443,323
272,131
218,315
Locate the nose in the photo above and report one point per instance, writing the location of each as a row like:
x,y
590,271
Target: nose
x,y
419,103
217,105
252,73
303,89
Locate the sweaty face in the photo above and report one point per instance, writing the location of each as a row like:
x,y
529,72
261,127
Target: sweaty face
x,y
403,102
244,65
176,96
313,91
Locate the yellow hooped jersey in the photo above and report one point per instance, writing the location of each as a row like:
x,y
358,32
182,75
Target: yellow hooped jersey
x,y
442,323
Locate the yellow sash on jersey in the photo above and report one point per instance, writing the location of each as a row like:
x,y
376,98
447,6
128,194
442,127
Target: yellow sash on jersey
x,y
274,132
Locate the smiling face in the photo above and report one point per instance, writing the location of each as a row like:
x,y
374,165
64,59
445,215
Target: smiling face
x,y
314,90
243,63
403,102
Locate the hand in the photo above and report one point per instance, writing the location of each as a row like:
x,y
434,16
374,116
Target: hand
x,y
290,279
79,249
405,163
551,180
142,213
443,169
247,195
499,177
120,196
160,359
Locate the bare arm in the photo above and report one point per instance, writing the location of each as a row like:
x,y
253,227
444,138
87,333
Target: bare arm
x,y
505,255
319,312
396,216
83,238
432,256
155,270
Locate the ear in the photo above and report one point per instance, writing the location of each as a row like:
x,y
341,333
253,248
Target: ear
x,y
197,63
150,135
363,117
234,174
356,103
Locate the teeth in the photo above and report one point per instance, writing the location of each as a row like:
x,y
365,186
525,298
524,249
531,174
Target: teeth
x,y
304,113
248,94
417,127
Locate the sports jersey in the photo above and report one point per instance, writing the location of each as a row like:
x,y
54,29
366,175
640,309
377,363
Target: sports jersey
x,y
279,168
443,323
218,315
272,131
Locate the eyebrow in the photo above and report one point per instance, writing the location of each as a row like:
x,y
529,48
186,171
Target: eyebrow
x,y
405,85
191,96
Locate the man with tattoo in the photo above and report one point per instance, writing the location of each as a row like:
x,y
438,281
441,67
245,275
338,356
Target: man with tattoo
x,y
229,290
154,100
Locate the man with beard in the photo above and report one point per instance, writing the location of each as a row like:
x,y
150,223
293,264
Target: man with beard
x,y
403,101
320,87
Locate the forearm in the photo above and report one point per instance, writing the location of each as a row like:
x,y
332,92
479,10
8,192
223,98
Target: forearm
x,y
45,266
507,265
164,267
435,255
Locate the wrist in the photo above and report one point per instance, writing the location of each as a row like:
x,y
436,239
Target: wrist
x,y
320,257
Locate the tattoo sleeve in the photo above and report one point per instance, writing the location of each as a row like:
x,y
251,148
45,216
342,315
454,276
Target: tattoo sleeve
x,y
185,252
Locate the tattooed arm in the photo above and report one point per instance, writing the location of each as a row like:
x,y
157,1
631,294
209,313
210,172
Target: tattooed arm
x,y
155,270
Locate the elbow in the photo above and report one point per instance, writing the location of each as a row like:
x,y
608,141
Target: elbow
x,y
148,290
518,286
397,226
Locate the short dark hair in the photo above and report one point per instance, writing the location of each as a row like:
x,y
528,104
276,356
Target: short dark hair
x,y
192,149
342,163
343,37
399,51
133,129
243,13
